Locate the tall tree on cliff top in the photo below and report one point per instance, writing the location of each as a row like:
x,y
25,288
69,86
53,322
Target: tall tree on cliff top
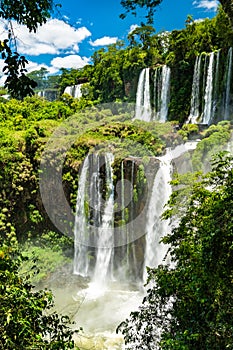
x,y
132,5
227,6
32,14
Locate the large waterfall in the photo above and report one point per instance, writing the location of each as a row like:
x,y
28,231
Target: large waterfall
x,y
228,76
159,98
81,261
94,218
211,88
107,246
195,97
161,92
105,233
109,253
143,104
156,228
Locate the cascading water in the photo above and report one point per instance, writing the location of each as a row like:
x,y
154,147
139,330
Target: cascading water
x,y
195,97
105,302
161,92
208,98
156,228
143,104
81,261
211,88
228,84
105,239
97,235
216,85
74,90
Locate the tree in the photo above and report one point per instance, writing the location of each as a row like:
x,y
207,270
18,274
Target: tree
x,y
26,317
227,6
40,77
189,302
131,6
32,14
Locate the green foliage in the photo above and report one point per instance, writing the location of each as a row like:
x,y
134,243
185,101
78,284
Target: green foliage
x,y
188,130
48,253
189,303
27,319
215,139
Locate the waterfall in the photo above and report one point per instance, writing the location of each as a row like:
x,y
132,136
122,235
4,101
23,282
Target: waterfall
x,y
74,90
211,88
195,99
105,239
69,90
228,84
216,85
78,91
143,105
161,92
166,72
81,260
208,98
156,228
94,218
103,251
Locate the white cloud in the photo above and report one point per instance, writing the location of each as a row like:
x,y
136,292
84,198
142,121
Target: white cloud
x,y
71,61
31,66
199,20
53,37
105,40
209,5
133,27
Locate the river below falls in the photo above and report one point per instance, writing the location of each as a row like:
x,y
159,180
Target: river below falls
x,y
97,309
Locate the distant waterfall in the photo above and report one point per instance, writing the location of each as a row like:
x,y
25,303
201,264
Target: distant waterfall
x,y
143,104
228,83
161,92
216,85
208,98
74,90
195,99
211,88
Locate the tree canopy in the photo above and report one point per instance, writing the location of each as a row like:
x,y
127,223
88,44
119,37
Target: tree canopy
x,y
132,5
32,14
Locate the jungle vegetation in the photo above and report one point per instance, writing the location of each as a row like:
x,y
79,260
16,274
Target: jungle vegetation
x,y
189,301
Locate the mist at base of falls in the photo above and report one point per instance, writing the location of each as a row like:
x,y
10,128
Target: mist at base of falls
x,y
97,311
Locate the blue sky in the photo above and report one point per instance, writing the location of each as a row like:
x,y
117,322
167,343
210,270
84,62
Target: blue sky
x,y
80,27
